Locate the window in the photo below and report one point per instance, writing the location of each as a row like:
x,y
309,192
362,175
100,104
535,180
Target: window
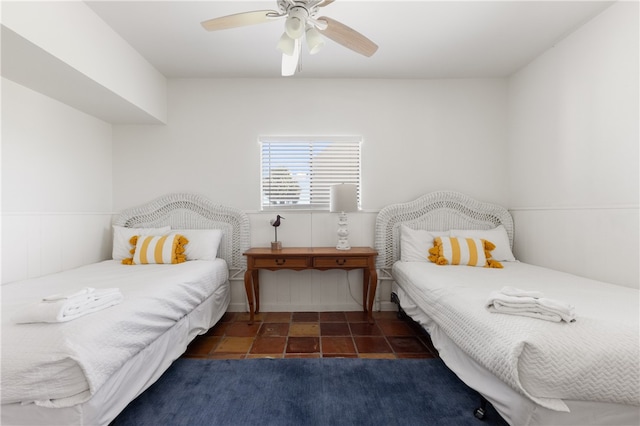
x,y
297,172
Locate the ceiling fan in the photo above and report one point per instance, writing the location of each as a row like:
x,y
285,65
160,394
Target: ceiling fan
x,y
300,21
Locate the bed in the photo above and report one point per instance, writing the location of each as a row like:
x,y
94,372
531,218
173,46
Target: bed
x,y
534,372
86,370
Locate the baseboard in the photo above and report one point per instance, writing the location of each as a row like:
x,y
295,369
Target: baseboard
x,y
388,306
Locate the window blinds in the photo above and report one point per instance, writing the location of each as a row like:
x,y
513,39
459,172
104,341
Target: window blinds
x,y
298,172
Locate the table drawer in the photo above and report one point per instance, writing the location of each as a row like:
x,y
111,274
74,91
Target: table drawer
x,y
280,262
340,262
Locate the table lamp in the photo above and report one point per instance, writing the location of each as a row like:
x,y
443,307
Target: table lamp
x,y
343,199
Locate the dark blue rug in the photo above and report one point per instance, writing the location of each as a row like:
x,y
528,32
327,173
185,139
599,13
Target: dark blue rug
x,y
324,391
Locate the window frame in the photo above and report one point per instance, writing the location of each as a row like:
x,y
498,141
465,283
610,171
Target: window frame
x,y
355,175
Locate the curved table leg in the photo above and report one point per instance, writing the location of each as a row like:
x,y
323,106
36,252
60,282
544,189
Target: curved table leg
x,y
373,285
248,288
256,289
366,277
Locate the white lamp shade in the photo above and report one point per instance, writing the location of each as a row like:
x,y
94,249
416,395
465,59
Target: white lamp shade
x,y
286,44
343,198
294,27
315,42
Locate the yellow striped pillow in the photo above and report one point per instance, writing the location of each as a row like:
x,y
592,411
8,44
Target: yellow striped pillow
x,y
157,249
462,251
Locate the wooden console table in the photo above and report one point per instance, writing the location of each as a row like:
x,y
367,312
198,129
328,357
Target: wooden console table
x,y
303,258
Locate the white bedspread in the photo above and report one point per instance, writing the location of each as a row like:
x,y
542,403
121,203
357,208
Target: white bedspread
x,y
63,364
595,358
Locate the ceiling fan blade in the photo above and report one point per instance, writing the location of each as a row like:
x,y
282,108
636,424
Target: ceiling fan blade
x,y
240,20
348,37
290,62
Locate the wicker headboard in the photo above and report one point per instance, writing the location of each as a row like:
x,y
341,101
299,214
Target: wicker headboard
x,y
437,211
191,211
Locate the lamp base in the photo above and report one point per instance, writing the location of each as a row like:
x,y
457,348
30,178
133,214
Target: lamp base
x,y
343,245
276,245
343,233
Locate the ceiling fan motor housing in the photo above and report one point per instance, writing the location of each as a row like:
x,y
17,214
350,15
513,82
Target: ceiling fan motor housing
x,y
309,8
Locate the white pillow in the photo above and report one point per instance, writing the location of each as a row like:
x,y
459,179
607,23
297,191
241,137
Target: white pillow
x,y
498,236
121,236
203,243
415,243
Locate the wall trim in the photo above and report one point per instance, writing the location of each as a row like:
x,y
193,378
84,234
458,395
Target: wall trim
x,y
306,211
614,207
57,213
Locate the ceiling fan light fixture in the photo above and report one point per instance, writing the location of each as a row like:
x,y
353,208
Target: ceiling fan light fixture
x,y
286,44
315,41
294,27
296,22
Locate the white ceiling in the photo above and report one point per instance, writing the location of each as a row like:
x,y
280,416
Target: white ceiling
x,y
416,39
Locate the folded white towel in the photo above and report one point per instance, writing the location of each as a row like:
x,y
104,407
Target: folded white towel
x,y
542,308
62,308
566,311
517,292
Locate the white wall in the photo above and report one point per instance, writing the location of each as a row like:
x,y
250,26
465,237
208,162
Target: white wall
x,y
56,185
573,151
51,46
414,131
419,136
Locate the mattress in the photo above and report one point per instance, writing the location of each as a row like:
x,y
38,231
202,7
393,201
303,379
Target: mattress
x,y
133,378
594,359
65,364
515,408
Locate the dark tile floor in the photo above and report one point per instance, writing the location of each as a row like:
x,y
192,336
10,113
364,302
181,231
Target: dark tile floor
x,y
312,335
